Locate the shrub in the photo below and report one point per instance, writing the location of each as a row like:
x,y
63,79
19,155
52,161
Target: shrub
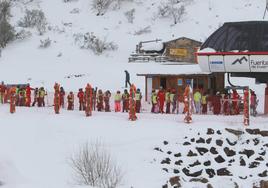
x,y
45,43
130,15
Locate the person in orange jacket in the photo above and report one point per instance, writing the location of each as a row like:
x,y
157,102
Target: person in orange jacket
x,y
80,96
57,98
70,99
12,100
161,99
28,91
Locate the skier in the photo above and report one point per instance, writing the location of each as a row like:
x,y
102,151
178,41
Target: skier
x,y
2,92
246,107
80,96
127,81
161,99
253,103
173,100
187,104
168,101
138,100
100,100
41,96
88,100
28,95
57,98
154,102
235,102
132,103
36,96
204,103
197,101
22,94
117,102
226,105
217,104
107,96
125,99
70,99
12,100
62,95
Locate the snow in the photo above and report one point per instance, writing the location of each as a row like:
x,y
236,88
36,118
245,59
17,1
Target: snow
x,y
152,46
36,144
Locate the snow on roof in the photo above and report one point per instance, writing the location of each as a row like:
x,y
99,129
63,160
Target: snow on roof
x,y
152,46
184,69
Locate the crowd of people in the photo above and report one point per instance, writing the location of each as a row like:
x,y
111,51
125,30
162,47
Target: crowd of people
x,y
162,101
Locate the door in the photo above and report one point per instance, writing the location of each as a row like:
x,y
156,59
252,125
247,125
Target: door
x,y
163,82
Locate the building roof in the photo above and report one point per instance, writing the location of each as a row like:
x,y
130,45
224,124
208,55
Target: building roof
x,y
183,38
239,36
173,70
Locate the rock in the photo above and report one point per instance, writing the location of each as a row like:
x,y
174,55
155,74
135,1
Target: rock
x,y
175,181
229,152
219,142
267,164
195,174
201,150
165,142
200,140
264,133
185,137
209,186
213,151
266,145
253,164
165,186
166,161
179,162
165,169
242,161
210,172
219,159
169,152
177,155
264,184
176,171
231,143
260,158
232,160
198,133
195,163
223,172
210,131
256,141
191,154
262,153
263,174
235,132
218,132
208,140
207,163
202,180
243,178
186,143
248,153
158,149
247,141
253,131
193,140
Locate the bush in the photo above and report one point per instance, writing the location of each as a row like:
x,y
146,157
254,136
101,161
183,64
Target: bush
x,y
7,32
34,18
45,43
93,166
94,43
101,6
23,34
130,15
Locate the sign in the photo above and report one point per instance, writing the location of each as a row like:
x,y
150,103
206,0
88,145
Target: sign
x,y
182,52
258,63
216,64
180,82
237,63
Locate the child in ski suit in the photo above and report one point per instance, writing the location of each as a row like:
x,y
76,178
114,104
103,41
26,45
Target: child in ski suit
x,y
117,102
70,99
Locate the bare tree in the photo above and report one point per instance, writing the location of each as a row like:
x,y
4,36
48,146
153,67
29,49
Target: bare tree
x,y
94,166
101,6
130,15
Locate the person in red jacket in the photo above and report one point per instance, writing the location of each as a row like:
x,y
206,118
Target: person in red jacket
x,y
80,96
2,92
57,98
235,98
28,95
217,103
161,99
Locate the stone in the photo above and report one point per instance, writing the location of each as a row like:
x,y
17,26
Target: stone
x,y
223,172
200,140
208,141
242,161
210,131
264,184
264,133
256,141
262,153
253,164
219,142
209,186
263,174
219,132
211,173
193,140
177,155
260,158
266,145
191,154
179,162
248,153
176,171
165,142
207,163
175,181
243,178
158,149
229,152
219,159
235,132
195,163
201,180
166,161
169,152
201,150
165,169
186,143
213,151
253,131
232,160
194,174
231,143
